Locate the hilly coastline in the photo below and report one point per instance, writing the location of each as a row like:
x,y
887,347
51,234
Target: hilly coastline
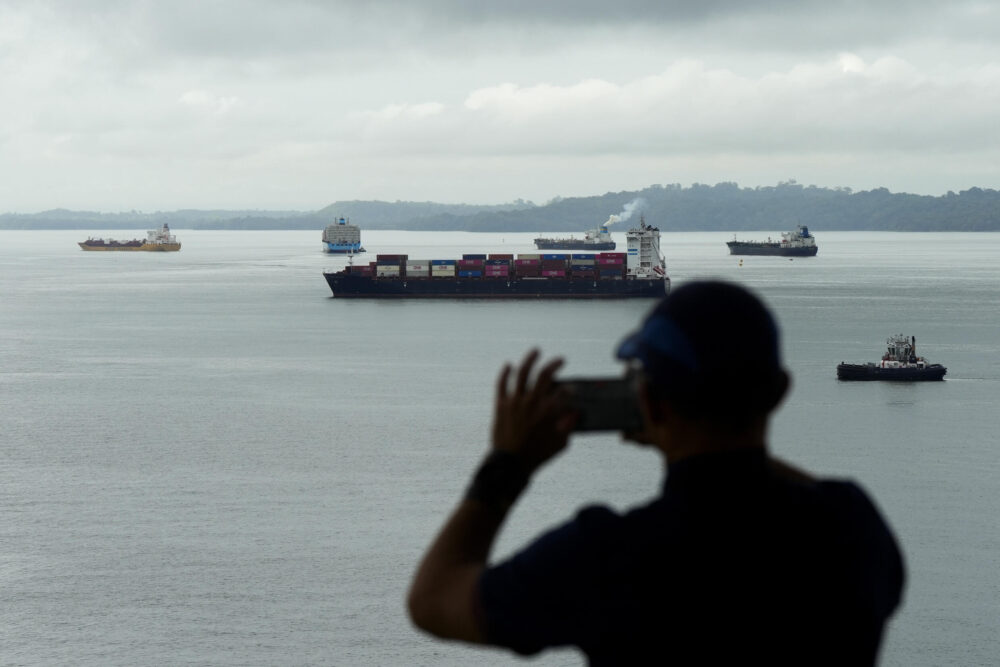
x,y
719,207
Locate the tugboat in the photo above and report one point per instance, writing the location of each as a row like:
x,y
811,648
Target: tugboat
x,y
900,363
799,243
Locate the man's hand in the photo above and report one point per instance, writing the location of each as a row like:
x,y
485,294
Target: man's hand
x,y
530,422
531,419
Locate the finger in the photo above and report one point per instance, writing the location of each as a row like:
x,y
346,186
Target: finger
x,y
502,383
544,382
525,371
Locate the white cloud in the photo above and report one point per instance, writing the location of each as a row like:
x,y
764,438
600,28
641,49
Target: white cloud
x,y
215,104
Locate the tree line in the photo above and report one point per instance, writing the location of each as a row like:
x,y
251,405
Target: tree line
x,y
698,207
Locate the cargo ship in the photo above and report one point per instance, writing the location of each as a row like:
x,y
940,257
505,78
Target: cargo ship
x,y
799,243
638,273
595,239
900,363
342,238
157,240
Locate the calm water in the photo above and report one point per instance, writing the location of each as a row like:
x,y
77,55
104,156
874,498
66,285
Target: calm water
x,y
206,460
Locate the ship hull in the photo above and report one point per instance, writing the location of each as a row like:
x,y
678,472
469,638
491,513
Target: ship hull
x,y
870,372
342,248
773,249
146,247
347,286
555,244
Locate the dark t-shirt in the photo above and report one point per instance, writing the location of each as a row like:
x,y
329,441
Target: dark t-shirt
x,y
732,564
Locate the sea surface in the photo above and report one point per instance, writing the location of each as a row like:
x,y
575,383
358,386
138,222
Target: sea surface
x,y
207,460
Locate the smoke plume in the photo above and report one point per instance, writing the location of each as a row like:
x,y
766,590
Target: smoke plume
x,y
637,204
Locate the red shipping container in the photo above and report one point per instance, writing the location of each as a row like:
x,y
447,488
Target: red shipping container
x,y
494,256
553,273
610,261
527,262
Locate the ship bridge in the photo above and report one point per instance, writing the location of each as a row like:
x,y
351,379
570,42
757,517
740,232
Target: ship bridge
x,y
644,258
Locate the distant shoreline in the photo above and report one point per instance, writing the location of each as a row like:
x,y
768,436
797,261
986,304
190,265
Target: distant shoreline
x,y
698,208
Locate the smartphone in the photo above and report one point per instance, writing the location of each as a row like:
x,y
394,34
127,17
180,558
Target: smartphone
x,y
604,404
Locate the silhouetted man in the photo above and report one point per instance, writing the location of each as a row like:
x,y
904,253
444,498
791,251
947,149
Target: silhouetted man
x,y
740,560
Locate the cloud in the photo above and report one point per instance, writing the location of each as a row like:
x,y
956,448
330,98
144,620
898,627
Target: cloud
x,y
690,108
204,100
519,97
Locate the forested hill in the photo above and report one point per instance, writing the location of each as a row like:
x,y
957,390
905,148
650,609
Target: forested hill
x,y
720,207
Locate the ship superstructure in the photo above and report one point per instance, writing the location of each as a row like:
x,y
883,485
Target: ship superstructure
x,y
342,237
639,273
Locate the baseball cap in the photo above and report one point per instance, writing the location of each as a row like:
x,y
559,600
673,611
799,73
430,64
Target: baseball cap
x,y
706,336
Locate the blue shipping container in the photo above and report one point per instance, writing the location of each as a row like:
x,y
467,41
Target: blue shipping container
x,y
473,256
470,274
584,256
443,262
498,262
558,255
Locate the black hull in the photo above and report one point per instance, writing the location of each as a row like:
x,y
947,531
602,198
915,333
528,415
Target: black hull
x,y
873,372
555,244
774,249
365,287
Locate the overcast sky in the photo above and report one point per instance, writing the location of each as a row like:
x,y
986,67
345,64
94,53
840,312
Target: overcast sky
x,y
293,104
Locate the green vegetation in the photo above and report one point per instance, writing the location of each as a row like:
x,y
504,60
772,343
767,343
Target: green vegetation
x,y
720,207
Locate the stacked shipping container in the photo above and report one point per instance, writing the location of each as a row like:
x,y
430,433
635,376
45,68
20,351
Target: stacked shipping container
x,y
583,266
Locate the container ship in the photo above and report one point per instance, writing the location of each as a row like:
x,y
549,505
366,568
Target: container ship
x,y
342,238
799,243
157,240
639,273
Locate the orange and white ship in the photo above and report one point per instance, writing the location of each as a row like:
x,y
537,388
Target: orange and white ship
x,y
157,240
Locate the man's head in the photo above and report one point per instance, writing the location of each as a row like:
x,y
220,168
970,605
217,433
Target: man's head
x,y
711,351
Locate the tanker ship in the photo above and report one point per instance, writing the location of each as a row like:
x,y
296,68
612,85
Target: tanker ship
x,y
798,243
639,273
595,239
157,240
